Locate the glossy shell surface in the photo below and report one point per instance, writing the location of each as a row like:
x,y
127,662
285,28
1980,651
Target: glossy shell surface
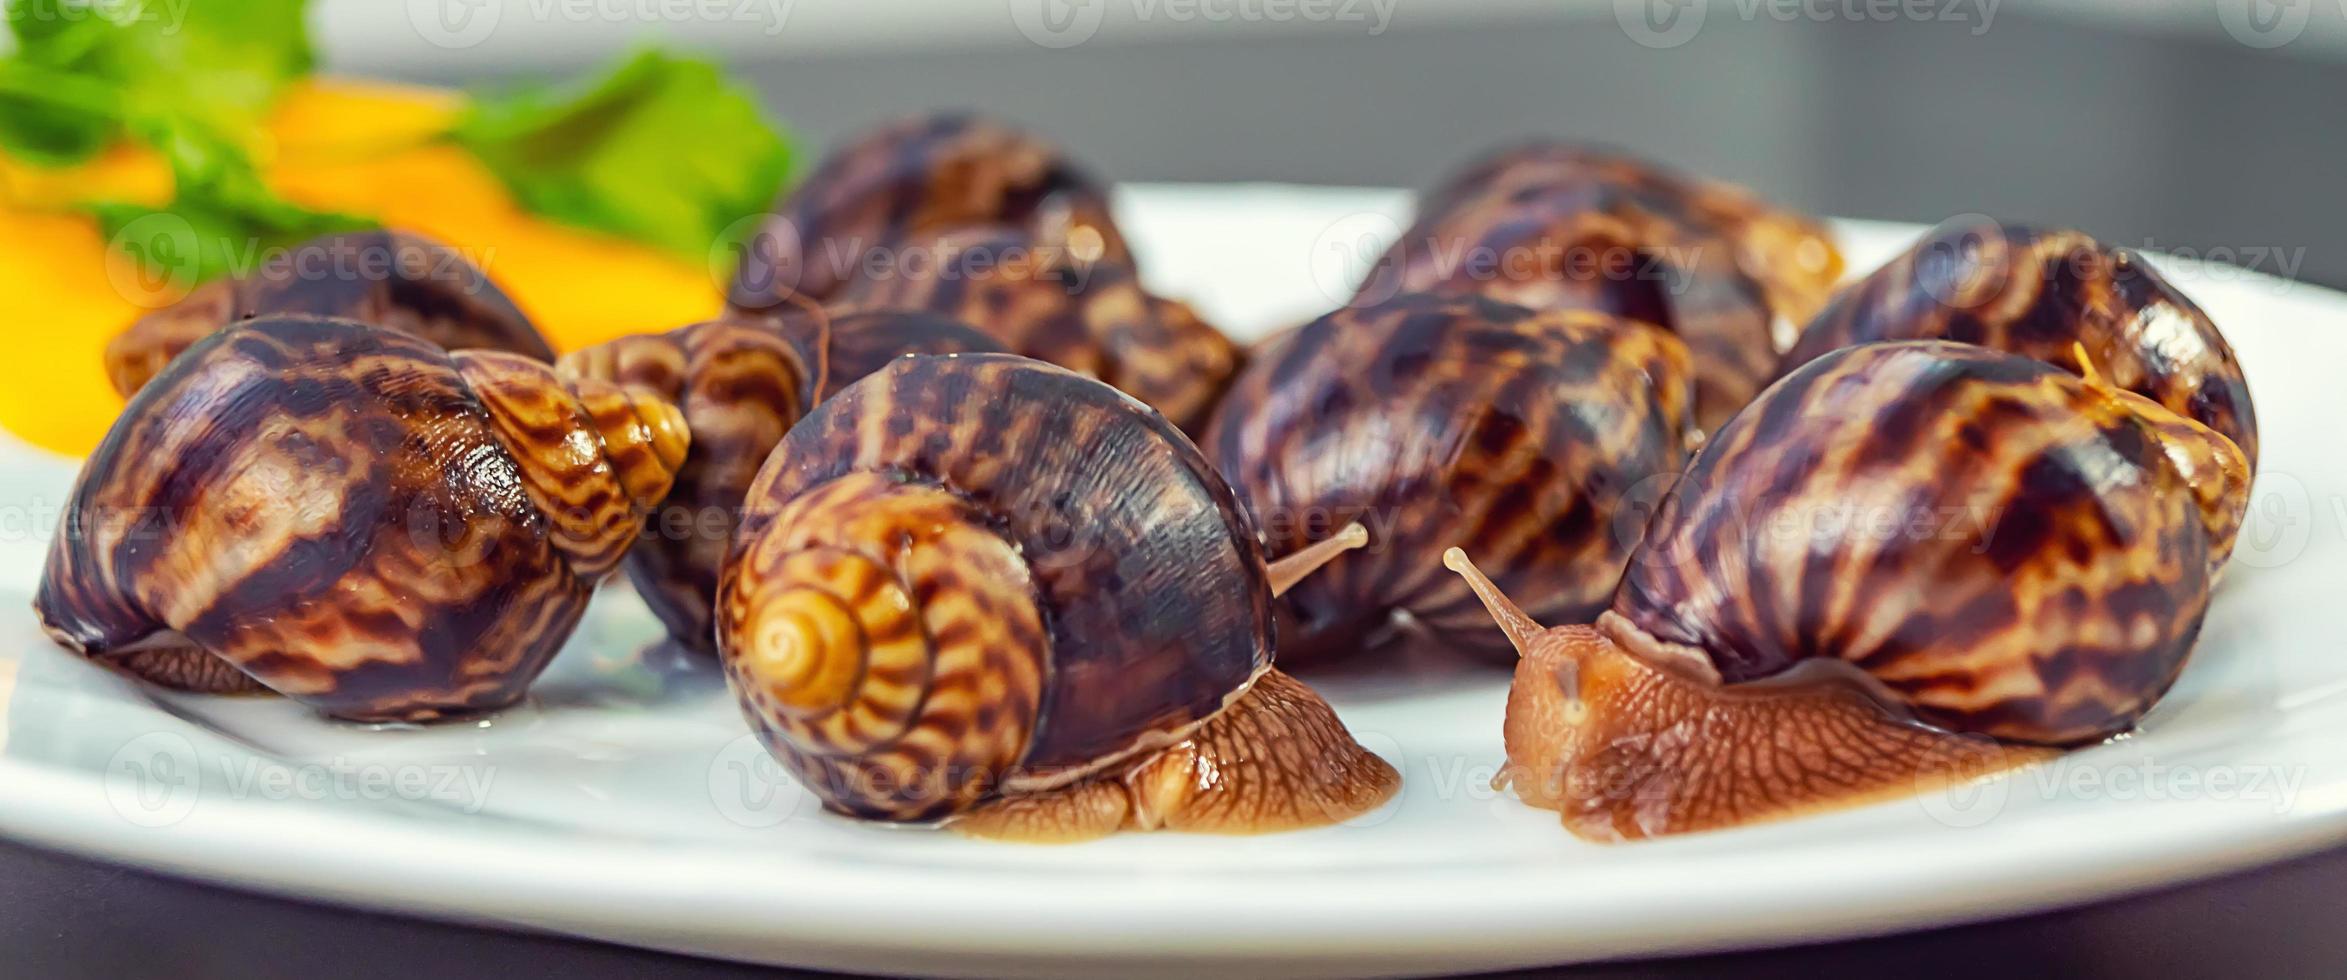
x,y
913,179
2043,293
1453,421
392,279
741,384
1089,317
1556,226
355,518
1099,550
2004,548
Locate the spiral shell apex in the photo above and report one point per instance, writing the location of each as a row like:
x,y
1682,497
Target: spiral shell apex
x,y
741,384
393,279
986,589
353,517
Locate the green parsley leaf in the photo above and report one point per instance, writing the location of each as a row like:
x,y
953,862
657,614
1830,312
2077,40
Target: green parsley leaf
x,y
222,219
83,70
664,150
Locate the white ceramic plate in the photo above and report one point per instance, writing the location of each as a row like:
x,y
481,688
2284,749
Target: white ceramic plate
x,y
625,801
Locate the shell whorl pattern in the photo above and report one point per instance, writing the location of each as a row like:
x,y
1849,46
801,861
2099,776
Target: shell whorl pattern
x,y
2006,548
1553,226
1453,421
887,644
393,279
1121,579
594,458
913,179
351,516
741,385
2043,293
1092,318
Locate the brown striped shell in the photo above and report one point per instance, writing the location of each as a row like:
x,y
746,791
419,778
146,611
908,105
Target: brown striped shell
x,y
393,279
1552,226
910,180
741,385
1905,566
1452,421
2048,294
354,518
1046,574
2006,548
1089,317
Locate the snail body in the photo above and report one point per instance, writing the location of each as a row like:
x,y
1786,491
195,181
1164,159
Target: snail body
x,y
1903,560
354,518
741,385
986,589
1553,226
1092,318
2058,296
908,180
1452,420
393,279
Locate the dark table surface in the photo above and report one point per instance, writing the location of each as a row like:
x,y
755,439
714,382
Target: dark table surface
x,y
65,917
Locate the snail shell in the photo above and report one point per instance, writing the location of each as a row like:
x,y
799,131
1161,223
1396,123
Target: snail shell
x,y
1452,420
2050,294
393,279
1553,226
912,179
1902,559
1089,317
741,384
986,588
353,517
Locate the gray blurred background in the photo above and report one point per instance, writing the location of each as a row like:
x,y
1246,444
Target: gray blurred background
x,y
2210,128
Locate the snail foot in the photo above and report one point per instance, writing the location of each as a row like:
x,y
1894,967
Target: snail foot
x,y
183,666
1275,760
1625,746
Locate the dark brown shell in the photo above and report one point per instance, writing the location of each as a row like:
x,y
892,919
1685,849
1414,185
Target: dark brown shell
x,y
1453,421
912,179
1028,515
742,384
393,279
1553,226
355,518
2041,293
2005,548
1091,318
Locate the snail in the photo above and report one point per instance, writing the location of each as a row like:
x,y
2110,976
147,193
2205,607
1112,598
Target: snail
x,y
986,590
354,518
1093,318
1550,226
909,180
1905,564
741,385
1441,420
2049,294
391,279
